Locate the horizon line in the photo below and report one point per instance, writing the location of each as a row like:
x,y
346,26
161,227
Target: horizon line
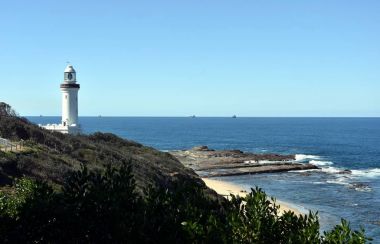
x,y
206,116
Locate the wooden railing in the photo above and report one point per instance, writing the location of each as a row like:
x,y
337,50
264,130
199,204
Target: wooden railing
x,y
9,146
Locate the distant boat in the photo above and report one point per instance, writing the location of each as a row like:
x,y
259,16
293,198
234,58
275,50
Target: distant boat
x,y
40,115
234,117
99,116
192,116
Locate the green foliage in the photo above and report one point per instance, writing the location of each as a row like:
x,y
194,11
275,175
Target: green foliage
x,y
14,215
10,203
92,207
103,206
96,207
256,219
183,214
111,138
343,234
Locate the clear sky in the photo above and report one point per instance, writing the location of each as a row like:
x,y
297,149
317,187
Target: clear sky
x,y
179,58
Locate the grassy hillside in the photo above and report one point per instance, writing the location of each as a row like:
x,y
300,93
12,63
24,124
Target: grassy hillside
x,y
51,155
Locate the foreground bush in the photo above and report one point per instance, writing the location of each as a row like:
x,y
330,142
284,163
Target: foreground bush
x,y
104,208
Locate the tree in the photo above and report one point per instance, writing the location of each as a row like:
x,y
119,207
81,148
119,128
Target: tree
x,y
6,110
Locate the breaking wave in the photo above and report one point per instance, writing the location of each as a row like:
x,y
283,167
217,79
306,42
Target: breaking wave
x,y
305,157
353,173
331,170
370,173
320,163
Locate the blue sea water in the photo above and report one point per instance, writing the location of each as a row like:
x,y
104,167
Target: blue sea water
x,y
334,144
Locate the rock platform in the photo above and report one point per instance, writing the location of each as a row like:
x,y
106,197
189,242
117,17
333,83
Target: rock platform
x,y
212,163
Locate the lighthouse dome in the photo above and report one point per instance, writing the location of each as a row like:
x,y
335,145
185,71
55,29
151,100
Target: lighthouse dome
x,y
69,75
69,69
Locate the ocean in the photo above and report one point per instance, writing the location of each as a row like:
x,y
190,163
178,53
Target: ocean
x,y
334,144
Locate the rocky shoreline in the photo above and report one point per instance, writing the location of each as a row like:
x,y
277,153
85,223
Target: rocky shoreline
x,y
214,163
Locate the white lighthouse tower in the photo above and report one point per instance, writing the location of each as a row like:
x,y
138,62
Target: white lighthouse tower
x,y
69,89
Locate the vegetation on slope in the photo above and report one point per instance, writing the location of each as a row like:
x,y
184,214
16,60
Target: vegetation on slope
x,y
50,156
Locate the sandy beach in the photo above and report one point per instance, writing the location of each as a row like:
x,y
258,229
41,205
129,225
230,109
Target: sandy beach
x,y
227,188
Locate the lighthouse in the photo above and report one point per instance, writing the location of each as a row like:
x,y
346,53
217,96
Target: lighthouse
x,y
69,90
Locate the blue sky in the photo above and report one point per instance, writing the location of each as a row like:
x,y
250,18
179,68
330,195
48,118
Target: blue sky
x,y
179,58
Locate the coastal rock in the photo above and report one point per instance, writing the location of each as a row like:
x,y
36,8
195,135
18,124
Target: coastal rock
x,y
201,148
360,187
208,162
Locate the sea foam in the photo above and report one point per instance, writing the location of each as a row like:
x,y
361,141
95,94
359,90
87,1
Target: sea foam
x,y
339,181
331,170
370,173
320,163
305,157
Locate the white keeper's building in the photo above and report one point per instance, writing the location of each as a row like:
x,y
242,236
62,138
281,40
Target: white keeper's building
x,y
69,89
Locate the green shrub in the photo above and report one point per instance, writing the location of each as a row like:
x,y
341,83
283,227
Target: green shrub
x,y
343,234
96,207
10,203
256,219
